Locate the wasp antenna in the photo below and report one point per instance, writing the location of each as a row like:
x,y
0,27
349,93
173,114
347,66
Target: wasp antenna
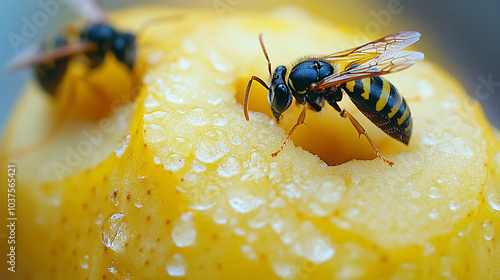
x,y
156,20
265,53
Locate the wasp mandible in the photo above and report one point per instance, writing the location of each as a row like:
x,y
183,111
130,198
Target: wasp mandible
x,y
316,80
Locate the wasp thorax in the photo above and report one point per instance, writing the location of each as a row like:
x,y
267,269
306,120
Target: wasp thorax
x,y
279,96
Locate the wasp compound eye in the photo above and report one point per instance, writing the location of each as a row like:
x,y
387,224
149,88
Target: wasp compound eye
x,y
281,99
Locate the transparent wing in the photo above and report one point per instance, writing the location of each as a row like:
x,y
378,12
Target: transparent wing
x,y
91,10
380,57
388,44
34,56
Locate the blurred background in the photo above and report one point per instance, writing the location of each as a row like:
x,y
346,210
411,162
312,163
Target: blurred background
x,y
462,36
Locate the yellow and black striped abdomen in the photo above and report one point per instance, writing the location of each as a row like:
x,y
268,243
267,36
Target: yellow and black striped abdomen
x,y
381,102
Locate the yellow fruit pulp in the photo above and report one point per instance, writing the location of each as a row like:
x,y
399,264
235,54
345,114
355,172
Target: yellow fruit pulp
x,y
179,184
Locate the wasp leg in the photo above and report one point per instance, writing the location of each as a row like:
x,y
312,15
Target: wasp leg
x,y
300,121
361,130
247,93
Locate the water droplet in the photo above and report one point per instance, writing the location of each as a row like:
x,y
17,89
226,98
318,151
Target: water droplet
x,y
197,117
228,168
174,93
99,219
220,216
488,230
221,64
174,162
112,266
153,133
283,270
157,160
440,180
114,196
248,252
184,233
113,233
219,121
433,214
244,202
85,263
237,140
312,244
205,198
198,167
434,192
138,202
454,206
183,63
212,147
492,193
176,265
122,146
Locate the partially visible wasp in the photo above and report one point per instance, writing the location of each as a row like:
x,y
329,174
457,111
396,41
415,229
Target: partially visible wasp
x,y
92,42
318,79
97,38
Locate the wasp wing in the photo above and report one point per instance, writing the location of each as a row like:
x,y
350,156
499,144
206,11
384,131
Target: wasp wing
x,y
388,44
33,57
380,57
91,10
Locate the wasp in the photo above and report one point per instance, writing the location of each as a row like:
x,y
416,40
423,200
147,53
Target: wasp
x,y
96,39
357,72
89,43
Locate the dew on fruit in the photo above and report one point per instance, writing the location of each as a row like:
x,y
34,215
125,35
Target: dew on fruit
x,y
197,117
212,147
219,120
174,162
156,160
183,63
488,230
99,219
198,167
434,192
184,233
114,232
248,252
154,133
85,263
228,167
151,102
122,146
112,266
454,206
237,140
220,216
283,270
492,194
220,63
138,202
312,244
205,198
156,116
176,265
244,202
174,92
